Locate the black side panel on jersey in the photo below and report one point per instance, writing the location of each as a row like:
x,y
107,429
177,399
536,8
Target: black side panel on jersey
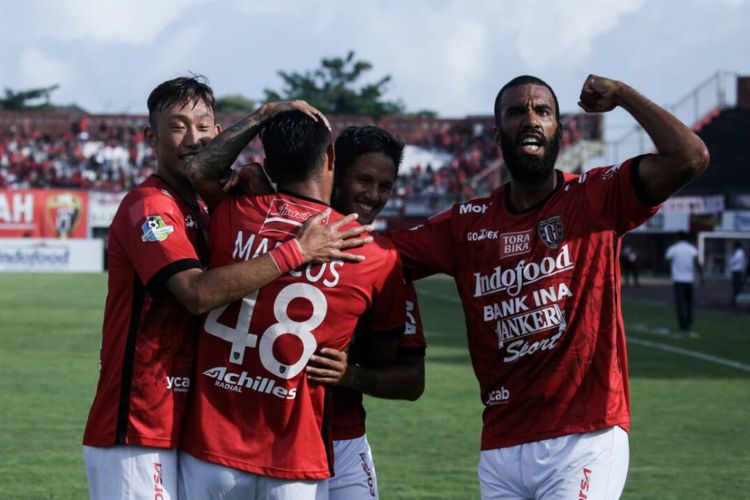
x,y
325,428
408,352
123,412
158,281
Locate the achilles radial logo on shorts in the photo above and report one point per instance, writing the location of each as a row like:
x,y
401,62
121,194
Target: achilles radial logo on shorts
x,y
236,382
498,397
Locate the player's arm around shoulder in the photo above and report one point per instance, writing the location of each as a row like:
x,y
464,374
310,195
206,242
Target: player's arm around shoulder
x,y
681,155
376,365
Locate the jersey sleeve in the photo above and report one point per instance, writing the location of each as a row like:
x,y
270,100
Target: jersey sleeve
x,y
616,197
388,304
157,241
427,249
412,342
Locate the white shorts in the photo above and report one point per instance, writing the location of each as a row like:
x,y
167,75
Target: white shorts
x,y
201,480
127,472
354,473
587,466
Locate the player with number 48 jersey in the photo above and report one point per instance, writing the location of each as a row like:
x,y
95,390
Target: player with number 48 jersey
x,y
254,408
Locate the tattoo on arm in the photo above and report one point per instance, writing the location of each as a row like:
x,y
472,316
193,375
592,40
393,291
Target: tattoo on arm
x,y
217,157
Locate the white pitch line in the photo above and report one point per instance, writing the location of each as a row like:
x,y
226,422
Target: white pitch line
x,y
691,354
641,342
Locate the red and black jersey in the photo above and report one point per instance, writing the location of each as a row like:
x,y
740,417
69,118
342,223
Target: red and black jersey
x,y
540,292
148,337
254,408
348,415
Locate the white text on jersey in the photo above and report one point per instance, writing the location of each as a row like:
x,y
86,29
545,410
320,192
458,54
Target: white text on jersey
x,y
513,279
237,381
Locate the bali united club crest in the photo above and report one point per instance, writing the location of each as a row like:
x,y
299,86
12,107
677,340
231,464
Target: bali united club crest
x,y
63,213
551,231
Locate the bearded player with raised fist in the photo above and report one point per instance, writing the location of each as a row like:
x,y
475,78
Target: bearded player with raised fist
x,y
536,266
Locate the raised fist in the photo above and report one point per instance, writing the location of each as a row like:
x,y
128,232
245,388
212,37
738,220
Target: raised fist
x,y
599,94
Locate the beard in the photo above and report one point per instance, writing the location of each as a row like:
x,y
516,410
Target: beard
x,y
530,169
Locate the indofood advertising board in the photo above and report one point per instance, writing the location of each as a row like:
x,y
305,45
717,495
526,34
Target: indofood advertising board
x,y
51,255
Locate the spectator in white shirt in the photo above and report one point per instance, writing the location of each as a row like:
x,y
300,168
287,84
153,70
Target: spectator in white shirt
x,y
683,257
738,266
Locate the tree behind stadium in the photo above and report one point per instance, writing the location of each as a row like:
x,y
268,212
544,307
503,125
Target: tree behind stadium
x,y
335,88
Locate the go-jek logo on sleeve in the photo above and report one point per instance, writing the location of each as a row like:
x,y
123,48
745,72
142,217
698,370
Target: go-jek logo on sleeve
x,y
154,229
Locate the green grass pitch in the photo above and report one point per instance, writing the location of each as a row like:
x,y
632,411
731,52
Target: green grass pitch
x,y
690,436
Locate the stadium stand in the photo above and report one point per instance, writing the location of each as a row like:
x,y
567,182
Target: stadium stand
x,y
108,153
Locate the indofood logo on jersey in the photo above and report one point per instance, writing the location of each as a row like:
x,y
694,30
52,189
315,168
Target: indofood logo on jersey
x,y
512,279
236,382
551,231
285,218
63,213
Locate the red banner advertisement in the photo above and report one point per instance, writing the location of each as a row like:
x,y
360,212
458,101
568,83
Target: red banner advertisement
x,y
43,213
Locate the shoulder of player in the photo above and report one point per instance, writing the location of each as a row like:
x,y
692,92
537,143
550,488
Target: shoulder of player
x,y
147,200
603,173
381,248
467,209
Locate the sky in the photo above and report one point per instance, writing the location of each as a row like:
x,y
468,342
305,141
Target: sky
x,y
450,56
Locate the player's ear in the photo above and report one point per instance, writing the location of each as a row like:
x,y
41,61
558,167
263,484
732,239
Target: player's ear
x,y
496,135
148,134
218,129
330,156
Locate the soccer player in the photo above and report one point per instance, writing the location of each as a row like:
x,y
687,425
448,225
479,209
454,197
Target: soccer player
x,y
367,161
535,264
257,427
157,247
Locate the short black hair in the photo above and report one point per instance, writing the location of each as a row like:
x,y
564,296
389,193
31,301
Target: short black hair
x,y
517,82
181,90
683,236
294,144
355,141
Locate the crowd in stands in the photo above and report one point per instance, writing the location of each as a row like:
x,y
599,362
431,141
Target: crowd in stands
x,y
470,151
107,157
104,159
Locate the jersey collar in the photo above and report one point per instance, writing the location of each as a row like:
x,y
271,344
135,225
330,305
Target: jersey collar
x,y
509,206
303,197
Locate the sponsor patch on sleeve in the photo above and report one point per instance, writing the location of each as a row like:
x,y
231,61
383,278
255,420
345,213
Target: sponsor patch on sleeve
x,y
154,229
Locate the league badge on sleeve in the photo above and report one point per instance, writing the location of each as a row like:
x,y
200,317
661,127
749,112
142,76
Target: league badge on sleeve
x,y
551,231
154,229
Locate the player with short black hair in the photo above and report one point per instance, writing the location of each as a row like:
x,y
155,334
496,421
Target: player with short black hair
x,y
258,423
355,141
536,267
157,249
367,161
517,82
182,91
291,138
